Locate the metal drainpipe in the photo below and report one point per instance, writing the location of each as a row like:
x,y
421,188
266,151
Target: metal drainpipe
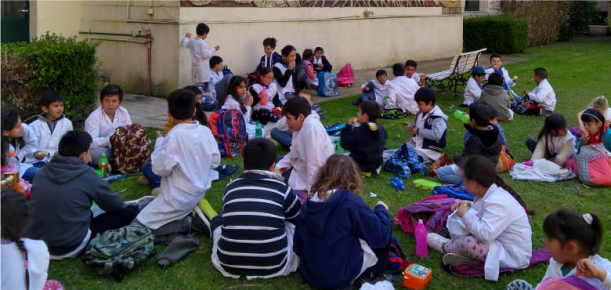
x,y
112,34
149,41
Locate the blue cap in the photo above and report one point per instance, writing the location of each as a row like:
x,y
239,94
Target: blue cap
x,y
478,70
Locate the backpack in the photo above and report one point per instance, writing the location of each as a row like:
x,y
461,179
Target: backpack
x,y
117,251
433,211
130,148
229,130
457,191
593,165
527,108
396,258
209,99
302,72
345,76
335,129
327,84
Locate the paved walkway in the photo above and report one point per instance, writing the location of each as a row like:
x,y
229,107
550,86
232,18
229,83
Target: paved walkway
x,y
152,111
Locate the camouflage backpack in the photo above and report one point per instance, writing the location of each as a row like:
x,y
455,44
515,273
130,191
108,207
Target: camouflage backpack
x,y
117,251
130,148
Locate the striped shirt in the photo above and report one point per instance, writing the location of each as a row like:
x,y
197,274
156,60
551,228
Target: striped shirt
x,y
253,237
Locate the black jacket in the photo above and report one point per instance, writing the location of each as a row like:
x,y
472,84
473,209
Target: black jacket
x,y
366,144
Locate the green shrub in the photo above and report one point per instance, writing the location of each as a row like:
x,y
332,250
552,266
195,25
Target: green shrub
x,y
51,62
581,14
500,34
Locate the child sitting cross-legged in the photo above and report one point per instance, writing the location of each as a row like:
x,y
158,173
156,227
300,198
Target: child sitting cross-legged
x,y
430,128
596,132
495,96
50,126
574,241
473,90
555,143
320,61
339,238
543,94
183,159
496,223
378,89
410,72
402,90
365,138
253,236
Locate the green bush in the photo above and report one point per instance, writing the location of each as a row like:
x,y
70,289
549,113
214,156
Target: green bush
x,y
500,34
581,14
51,62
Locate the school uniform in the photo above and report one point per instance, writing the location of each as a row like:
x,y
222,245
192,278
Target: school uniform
x,y
431,137
269,62
496,97
100,127
473,92
507,79
415,77
326,65
381,90
366,143
259,91
31,141
561,148
49,134
283,134
14,264
285,80
498,220
310,148
401,95
200,59
555,269
544,95
183,159
215,77
231,103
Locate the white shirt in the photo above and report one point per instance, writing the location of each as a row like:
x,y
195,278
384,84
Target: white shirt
x,y
415,77
553,270
270,94
30,139
13,264
200,57
506,78
544,94
48,141
381,90
100,127
183,159
231,103
417,140
216,77
498,219
473,92
289,85
310,148
401,95
282,126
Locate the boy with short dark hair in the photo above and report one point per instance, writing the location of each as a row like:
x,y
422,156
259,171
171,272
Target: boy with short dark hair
x,y
430,127
104,120
402,90
311,145
496,65
473,90
183,159
49,127
282,133
365,138
543,93
320,61
219,81
410,72
62,195
485,141
375,90
200,54
270,57
253,237
495,96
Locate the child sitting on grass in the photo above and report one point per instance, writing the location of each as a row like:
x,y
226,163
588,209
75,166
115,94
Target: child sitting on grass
x,y
50,126
596,132
183,159
237,98
365,138
282,133
496,66
338,237
285,75
473,90
401,93
265,91
543,94
495,96
430,127
410,72
599,103
574,241
499,233
19,141
219,81
380,88
554,143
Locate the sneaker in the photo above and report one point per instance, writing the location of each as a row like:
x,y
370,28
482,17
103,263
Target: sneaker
x,y
519,284
436,242
155,191
143,201
207,209
143,181
200,224
454,259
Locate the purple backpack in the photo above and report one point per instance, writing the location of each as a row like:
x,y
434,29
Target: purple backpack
x,y
433,211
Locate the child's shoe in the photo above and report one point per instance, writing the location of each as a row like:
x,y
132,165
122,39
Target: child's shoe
x,y
454,259
155,191
519,284
142,202
207,209
200,224
436,242
143,181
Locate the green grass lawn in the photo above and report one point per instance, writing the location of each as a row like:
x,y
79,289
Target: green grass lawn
x,y
578,71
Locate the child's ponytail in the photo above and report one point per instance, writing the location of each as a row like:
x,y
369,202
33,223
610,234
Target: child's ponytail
x,y
584,229
15,218
501,183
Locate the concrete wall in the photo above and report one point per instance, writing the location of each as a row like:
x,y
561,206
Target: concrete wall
x,y
390,35
59,17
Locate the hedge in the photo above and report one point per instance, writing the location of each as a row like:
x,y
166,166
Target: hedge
x,y
500,34
51,62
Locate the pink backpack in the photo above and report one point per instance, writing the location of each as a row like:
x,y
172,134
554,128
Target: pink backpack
x,y
565,283
433,210
345,76
593,165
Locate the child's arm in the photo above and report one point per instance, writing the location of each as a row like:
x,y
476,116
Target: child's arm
x,y
438,127
185,41
105,198
31,142
216,155
508,80
607,140
255,96
314,154
374,227
285,162
310,72
586,268
292,205
539,152
348,137
92,126
494,220
206,53
565,153
392,98
163,159
276,101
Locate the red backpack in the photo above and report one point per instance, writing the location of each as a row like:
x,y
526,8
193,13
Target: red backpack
x,y
433,211
229,130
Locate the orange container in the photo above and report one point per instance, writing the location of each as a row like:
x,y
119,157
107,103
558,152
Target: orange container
x,y
416,276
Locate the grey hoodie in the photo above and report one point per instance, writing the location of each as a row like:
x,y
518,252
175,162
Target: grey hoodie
x,y
62,194
51,124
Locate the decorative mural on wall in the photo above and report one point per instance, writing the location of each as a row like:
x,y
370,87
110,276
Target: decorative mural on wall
x,y
319,3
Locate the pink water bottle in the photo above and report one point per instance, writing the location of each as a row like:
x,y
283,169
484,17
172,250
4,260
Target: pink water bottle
x,y
421,250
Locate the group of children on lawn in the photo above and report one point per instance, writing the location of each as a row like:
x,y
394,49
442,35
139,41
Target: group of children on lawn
x,y
334,238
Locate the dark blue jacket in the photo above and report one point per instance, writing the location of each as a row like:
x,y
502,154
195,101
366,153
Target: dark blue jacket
x,y
326,65
327,238
366,144
275,58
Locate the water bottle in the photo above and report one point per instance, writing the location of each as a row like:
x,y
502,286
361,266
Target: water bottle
x,y
397,183
462,117
258,130
421,249
103,165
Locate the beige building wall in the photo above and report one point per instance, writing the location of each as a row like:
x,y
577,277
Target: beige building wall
x,y
390,35
59,17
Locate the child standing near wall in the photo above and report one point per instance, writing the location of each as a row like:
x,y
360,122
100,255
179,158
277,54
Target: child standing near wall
x,y
200,54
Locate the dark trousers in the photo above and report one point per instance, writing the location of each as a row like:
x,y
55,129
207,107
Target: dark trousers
x,y
113,220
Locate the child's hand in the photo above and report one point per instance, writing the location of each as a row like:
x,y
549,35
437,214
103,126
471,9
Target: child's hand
x,y
352,121
320,65
382,204
188,35
515,79
459,203
365,89
249,99
291,65
412,128
586,268
585,136
217,47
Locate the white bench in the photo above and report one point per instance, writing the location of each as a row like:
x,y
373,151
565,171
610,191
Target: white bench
x,y
448,80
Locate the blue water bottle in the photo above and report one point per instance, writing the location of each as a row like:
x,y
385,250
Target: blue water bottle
x,y
397,183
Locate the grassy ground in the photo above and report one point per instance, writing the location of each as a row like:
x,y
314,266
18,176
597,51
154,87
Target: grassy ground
x,y
578,71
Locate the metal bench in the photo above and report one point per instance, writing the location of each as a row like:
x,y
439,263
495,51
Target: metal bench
x,y
448,80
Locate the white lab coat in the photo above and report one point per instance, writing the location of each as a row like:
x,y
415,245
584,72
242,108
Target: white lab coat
x,y
544,94
183,159
282,126
13,265
553,270
498,219
401,95
48,141
473,92
310,149
271,92
216,77
508,80
231,103
200,57
30,139
100,127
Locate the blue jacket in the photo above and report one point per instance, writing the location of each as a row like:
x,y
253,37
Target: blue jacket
x,y
327,238
275,58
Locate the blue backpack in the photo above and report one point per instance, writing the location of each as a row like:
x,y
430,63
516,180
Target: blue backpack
x,y
229,130
457,191
327,84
